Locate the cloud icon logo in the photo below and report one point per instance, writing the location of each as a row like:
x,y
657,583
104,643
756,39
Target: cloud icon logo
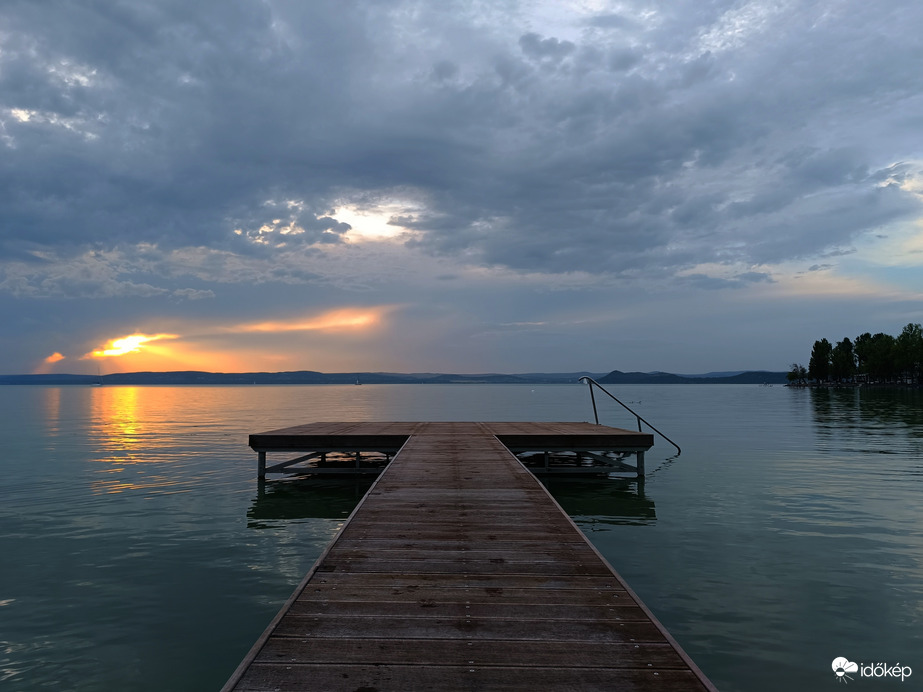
x,y
841,666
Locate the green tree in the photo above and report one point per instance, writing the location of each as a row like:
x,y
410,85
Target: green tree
x,y
797,374
819,365
908,352
880,357
843,361
861,350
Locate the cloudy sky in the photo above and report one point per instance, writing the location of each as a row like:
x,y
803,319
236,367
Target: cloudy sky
x,y
455,186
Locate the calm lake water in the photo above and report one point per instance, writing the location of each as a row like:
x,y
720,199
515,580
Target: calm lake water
x,y
136,552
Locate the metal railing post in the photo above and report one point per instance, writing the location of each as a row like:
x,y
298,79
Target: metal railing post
x,y
593,399
590,382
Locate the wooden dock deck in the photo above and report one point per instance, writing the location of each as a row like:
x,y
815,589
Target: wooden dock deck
x,y
458,571
547,448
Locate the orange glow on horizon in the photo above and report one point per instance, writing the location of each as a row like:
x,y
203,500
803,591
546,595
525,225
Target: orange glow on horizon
x,y
47,364
127,344
286,343
178,356
345,318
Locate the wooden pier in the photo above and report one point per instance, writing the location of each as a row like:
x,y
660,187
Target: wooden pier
x,y
458,571
366,448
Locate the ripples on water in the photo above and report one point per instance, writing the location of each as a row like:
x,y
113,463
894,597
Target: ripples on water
x,y
139,554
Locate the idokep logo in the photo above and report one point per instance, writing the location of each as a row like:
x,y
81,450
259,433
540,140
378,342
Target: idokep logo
x,y
842,667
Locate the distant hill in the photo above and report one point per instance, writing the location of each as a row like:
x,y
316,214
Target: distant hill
x,y
748,377
723,373
195,377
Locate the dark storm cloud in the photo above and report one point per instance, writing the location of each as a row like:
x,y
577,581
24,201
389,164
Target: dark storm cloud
x,y
538,48
723,132
714,283
160,122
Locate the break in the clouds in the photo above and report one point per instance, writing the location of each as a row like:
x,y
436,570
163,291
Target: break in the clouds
x,y
638,169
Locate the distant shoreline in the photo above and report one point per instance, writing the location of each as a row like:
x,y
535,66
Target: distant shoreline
x,y
855,385
359,378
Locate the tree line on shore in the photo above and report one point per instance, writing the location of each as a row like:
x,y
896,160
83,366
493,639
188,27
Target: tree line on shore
x,y
879,358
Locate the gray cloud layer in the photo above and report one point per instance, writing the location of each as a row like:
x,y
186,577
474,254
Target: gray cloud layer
x,y
756,138
648,140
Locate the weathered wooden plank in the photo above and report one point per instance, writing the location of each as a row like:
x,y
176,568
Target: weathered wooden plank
x,y
461,566
440,592
466,581
470,533
424,628
444,652
437,516
468,678
448,529
456,544
431,607
540,553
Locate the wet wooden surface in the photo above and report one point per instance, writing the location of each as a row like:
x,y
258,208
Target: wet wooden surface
x,y
383,434
459,572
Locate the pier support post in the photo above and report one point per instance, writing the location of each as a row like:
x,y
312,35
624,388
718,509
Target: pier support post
x,y
261,465
640,464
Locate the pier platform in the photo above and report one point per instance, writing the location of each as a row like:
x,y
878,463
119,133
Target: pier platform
x,y
366,448
458,571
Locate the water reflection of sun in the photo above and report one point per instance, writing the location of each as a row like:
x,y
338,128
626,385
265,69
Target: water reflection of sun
x,y
117,430
52,405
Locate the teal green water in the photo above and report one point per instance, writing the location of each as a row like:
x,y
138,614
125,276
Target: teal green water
x,y
136,552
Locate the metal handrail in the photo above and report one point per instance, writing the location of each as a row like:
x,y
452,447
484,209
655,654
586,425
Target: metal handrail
x,y
590,382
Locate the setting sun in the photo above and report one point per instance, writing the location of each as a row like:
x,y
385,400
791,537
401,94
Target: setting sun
x,y
127,344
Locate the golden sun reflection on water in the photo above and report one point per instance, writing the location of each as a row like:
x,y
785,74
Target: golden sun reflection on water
x,y
51,401
122,426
